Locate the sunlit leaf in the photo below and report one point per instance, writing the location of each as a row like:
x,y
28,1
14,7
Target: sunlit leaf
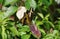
x,y
14,31
47,15
39,23
33,4
26,36
42,31
22,33
4,36
1,16
25,29
10,11
41,15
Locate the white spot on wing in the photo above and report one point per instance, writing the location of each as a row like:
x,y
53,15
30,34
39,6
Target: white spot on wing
x,y
20,12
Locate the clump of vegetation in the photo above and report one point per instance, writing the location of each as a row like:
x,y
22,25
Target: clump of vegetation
x,y
29,19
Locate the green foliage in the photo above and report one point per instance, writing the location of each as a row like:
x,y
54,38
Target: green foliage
x,y
30,4
7,2
46,16
14,31
1,1
25,36
10,11
54,35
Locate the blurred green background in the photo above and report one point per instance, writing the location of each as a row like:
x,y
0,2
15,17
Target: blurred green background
x,y
46,16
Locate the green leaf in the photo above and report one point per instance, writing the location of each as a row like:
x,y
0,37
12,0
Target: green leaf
x,y
41,15
30,4
22,33
51,24
27,5
1,1
25,29
45,2
25,36
51,1
55,32
39,23
46,25
14,31
58,10
42,31
33,4
7,2
1,16
10,11
4,36
47,15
